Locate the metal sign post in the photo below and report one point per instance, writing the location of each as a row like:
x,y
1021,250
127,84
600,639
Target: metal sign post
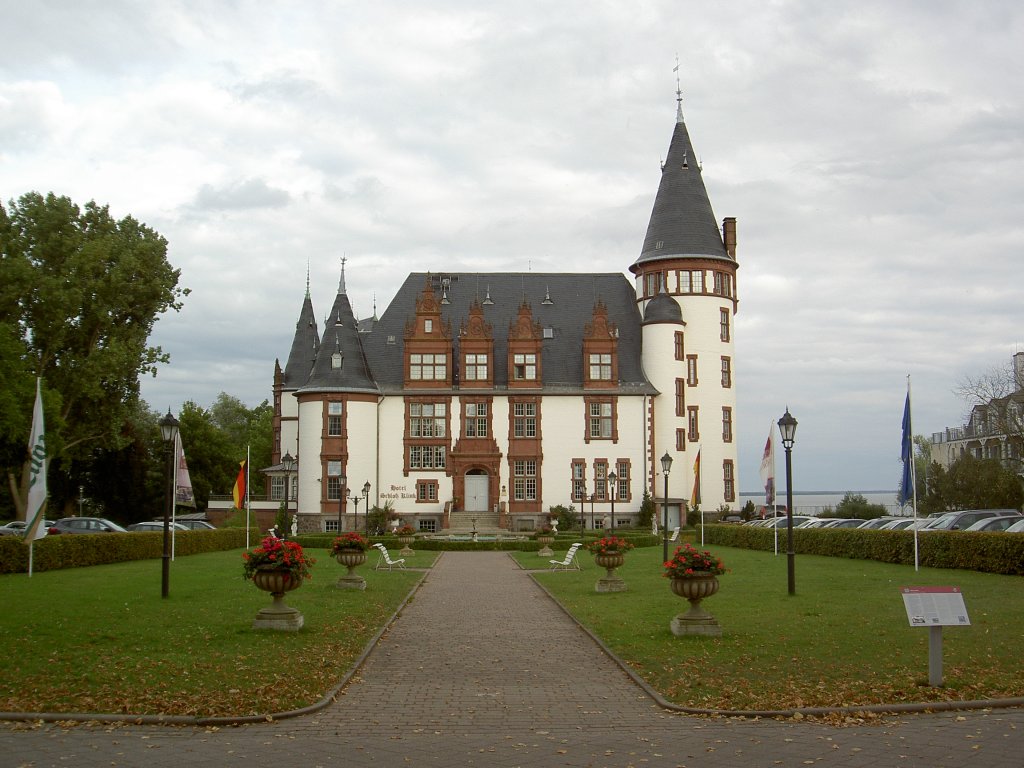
x,y
935,608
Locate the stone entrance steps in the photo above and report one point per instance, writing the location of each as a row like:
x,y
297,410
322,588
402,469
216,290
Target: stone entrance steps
x,y
462,522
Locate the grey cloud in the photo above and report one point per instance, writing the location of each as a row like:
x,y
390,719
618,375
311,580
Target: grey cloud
x,y
241,195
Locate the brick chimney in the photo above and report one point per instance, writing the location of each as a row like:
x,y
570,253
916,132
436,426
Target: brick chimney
x,y
729,235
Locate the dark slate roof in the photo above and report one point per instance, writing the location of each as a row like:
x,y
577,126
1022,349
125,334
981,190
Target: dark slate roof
x,y
304,347
663,309
559,301
341,334
682,219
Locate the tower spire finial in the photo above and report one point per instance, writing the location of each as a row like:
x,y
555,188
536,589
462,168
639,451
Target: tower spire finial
x,y
307,277
341,282
679,93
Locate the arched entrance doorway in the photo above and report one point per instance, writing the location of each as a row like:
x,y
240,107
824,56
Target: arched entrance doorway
x,y
478,491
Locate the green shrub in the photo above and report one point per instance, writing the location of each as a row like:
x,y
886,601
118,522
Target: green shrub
x,y
1001,553
75,550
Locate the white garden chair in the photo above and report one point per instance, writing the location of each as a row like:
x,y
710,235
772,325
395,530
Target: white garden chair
x,y
384,559
569,562
675,534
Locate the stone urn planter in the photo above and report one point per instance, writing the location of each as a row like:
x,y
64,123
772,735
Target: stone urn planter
x,y
611,581
277,566
406,542
349,549
545,545
278,616
695,621
610,553
352,559
693,574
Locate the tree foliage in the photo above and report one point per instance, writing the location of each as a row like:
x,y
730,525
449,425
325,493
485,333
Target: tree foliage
x,y
645,516
79,293
216,440
855,505
971,483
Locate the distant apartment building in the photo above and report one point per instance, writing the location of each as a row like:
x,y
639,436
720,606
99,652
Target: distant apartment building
x,y
995,429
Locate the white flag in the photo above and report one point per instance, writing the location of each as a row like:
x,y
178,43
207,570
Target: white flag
x,y
183,495
768,468
36,506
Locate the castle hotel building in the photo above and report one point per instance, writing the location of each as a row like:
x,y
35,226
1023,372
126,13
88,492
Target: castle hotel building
x,y
485,398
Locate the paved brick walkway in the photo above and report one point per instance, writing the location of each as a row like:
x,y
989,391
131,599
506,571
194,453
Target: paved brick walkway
x,y
482,669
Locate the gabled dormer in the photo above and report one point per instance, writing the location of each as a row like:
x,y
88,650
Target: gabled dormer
x,y
600,350
476,350
525,339
428,344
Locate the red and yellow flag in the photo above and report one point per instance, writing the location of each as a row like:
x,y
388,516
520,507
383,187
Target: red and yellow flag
x,y
695,495
238,492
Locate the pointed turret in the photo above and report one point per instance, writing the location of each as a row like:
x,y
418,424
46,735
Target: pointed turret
x,y
682,223
340,363
305,345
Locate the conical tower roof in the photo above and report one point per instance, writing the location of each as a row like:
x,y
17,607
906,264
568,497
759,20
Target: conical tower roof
x,y
340,364
682,223
305,345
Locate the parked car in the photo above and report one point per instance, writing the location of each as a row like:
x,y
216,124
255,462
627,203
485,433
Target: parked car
x,y
999,523
17,527
85,525
850,522
1017,527
905,522
814,522
781,522
958,521
877,522
198,525
155,525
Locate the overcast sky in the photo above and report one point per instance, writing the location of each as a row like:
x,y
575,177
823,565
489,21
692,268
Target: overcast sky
x,y
870,151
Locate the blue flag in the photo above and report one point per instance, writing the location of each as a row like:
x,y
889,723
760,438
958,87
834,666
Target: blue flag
x,y
907,454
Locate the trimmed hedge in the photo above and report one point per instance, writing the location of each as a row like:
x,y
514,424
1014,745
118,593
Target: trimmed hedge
x,y
80,549
988,552
508,544
76,550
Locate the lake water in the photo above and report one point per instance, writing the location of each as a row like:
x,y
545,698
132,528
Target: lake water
x,y
815,503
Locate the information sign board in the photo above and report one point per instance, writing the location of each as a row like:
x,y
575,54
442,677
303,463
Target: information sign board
x,y
935,606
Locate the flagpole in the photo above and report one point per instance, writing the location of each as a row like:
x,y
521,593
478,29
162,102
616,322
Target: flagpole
x,y
35,502
775,488
913,472
700,498
247,496
178,450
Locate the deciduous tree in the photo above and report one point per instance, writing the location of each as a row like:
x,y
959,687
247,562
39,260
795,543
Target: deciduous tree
x,y
80,292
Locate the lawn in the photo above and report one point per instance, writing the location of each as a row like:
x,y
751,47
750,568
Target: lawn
x,y
843,639
100,639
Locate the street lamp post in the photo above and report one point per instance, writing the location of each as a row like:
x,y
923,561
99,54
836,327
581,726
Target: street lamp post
x,y
168,431
787,428
355,500
612,477
289,464
666,467
583,510
592,497
366,506
341,498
